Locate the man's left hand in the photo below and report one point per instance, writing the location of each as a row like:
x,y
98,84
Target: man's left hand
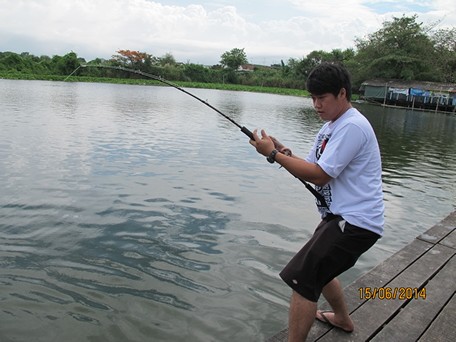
x,y
263,145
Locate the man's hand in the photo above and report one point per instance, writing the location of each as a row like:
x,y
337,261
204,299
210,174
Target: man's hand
x,y
264,145
280,147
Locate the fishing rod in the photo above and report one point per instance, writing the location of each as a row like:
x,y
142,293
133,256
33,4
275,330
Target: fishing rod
x,y
243,129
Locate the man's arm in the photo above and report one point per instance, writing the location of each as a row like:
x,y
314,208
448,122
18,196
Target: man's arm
x,y
304,170
298,167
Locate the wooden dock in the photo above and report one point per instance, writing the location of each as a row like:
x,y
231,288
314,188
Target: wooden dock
x,y
413,295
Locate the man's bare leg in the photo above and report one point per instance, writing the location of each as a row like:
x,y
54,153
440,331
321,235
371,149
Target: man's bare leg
x,y
335,297
301,317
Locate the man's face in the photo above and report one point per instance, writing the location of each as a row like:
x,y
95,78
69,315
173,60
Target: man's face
x,y
330,107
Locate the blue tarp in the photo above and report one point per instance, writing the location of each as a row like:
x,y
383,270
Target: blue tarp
x,y
419,92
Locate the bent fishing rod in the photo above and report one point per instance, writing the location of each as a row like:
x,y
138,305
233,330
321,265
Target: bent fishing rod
x,y
243,129
160,79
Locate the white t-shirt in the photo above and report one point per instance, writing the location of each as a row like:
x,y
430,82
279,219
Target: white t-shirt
x,y
348,151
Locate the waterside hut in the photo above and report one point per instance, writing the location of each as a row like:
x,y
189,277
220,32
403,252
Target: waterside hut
x,y
411,94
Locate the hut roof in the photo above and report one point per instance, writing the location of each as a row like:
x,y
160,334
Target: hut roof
x,y
448,87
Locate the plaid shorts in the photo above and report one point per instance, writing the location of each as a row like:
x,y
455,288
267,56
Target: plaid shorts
x,y
334,248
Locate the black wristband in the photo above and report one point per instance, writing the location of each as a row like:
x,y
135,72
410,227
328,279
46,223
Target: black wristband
x,y
272,156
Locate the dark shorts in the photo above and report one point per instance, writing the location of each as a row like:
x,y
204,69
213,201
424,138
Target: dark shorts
x,y
328,253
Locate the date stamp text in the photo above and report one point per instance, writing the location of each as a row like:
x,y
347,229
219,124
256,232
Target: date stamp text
x,y
388,293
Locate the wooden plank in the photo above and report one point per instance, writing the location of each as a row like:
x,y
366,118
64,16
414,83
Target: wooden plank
x,y
440,230
449,240
442,329
439,291
282,336
450,220
376,312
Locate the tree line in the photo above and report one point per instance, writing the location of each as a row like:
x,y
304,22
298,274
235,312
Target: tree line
x,y
402,49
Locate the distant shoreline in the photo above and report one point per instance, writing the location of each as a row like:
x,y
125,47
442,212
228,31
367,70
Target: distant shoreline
x,y
217,86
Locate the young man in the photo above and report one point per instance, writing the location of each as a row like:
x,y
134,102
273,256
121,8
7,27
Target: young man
x,y
345,167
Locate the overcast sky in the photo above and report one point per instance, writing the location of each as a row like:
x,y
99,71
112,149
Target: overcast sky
x,y
200,31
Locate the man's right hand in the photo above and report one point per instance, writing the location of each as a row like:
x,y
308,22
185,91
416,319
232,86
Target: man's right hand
x,y
280,147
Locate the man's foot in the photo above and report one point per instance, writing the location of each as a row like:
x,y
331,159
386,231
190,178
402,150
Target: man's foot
x,y
328,317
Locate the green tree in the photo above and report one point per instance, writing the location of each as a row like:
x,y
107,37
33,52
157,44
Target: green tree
x,y
311,61
10,61
444,41
401,49
301,68
66,64
167,59
196,73
233,59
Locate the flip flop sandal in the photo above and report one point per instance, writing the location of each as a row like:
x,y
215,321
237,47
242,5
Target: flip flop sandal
x,y
325,319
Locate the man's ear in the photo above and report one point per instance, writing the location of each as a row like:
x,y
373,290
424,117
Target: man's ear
x,y
343,93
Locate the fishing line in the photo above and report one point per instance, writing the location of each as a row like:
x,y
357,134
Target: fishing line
x,y
243,129
160,79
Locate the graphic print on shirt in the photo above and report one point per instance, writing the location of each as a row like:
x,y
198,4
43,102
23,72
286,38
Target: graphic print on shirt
x,y
325,191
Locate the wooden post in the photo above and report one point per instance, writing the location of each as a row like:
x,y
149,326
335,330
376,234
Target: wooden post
x,y
386,91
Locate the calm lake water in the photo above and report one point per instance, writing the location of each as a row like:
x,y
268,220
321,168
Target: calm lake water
x,y
135,213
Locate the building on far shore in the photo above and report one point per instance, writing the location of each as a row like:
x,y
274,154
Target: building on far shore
x,y
411,94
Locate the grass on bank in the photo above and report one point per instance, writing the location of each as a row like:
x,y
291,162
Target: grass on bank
x,y
218,86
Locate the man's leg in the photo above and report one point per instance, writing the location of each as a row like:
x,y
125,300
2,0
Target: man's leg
x,y
301,317
335,297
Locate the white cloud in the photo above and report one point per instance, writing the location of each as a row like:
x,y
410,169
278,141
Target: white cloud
x,y
200,32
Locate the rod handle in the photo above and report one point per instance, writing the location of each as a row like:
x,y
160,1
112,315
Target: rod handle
x,y
247,132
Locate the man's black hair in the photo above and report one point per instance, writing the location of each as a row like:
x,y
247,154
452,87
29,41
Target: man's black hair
x,y
329,78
